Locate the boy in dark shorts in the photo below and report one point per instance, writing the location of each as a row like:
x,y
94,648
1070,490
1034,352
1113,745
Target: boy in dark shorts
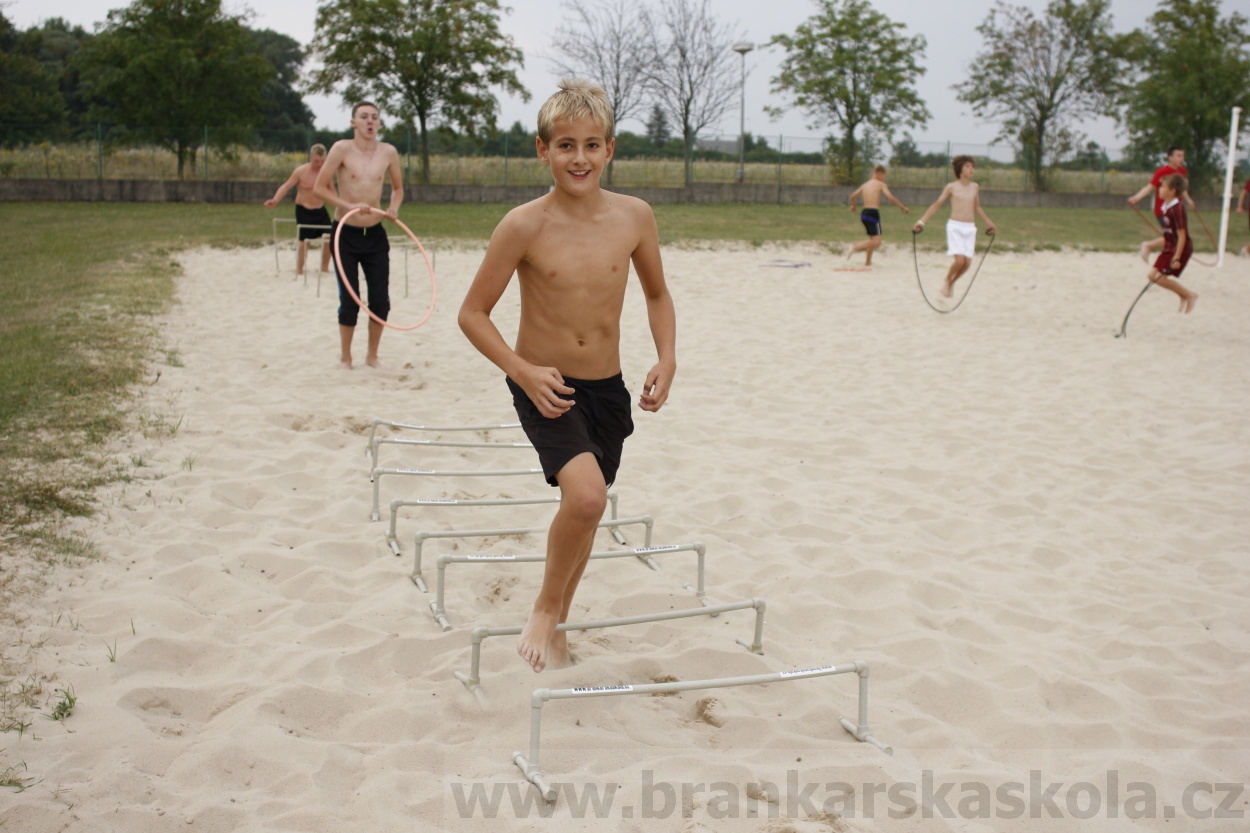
x,y
1177,244
571,250
872,191
310,210
361,163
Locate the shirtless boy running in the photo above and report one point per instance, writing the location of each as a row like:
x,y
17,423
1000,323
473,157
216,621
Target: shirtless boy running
x,y
310,210
961,228
360,163
571,250
872,191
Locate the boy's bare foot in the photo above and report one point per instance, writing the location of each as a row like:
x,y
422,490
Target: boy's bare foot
x,y
947,289
1144,252
534,644
558,655
850,250
345,364
1190,301
373,362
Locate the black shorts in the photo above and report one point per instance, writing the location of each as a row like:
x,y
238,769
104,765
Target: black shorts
x,y
312,217
364,248
871,218
598,423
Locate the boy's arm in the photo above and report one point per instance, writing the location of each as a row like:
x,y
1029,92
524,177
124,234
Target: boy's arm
x,y
1241,201
503,254
1148,188
885,189
283,188
661,314
990,228
945,195
397,185
1182,235
855,194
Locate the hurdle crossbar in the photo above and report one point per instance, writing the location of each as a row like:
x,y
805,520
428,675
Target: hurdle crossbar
x,y
530,766
298,228
376,476
409,426
378,441
438,606
392,539
473,682
277,267
612,523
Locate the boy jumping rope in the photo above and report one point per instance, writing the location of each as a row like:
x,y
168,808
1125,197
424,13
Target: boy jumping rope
x,y
961,228
571,250
872,191
1177,244
1175,165
310,210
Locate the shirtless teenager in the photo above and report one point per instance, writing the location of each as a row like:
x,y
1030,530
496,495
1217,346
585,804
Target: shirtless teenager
x,y
961,228
872,191
360,163
571,250
310,210
1175,165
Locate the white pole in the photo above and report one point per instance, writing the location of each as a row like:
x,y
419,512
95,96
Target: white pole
x,y
1228,183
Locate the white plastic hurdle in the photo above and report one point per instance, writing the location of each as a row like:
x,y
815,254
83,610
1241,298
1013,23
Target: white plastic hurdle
x,y
530,766
473,681
376,476
409,426
376,442
439,609
405,245
613,524
277,267
392,539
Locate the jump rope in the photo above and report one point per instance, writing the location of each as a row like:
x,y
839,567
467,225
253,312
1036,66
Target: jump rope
x,y
1151,282
338,266
916,259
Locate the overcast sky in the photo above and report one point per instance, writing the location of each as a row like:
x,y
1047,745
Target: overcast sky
x,y
949,27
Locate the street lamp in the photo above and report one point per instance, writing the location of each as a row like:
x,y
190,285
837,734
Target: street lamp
x,y
742,49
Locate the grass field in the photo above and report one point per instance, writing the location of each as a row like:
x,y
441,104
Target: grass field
x,y
83,282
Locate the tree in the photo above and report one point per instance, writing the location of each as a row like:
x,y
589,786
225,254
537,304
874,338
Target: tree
x,y
284,115
657,127
171,69
30,103
1193,67
432,61
1040,76
58,44
692,69
851,67
606,44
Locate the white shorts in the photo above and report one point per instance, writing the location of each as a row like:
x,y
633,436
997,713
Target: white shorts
x,y
961,238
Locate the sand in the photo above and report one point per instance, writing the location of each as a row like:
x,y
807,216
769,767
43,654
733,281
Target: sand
x,y
1033,533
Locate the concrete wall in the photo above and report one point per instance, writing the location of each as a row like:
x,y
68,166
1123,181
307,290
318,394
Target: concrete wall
x,y
152,190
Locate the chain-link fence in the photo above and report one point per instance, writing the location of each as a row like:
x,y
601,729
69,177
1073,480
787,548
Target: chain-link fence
x,y
120,152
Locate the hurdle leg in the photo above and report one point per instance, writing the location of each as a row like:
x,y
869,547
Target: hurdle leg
x,y
437,606
530,768
860,731
756,647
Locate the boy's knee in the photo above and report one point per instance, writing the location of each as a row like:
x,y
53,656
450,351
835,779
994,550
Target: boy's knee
x,y
586,504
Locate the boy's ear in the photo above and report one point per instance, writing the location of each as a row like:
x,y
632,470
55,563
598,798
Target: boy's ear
x,y
541,148
611,149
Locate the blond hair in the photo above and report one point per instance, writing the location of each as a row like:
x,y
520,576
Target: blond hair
x,y
576,99
317,150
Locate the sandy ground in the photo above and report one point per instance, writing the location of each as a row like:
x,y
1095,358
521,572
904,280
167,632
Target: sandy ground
x,y
1035,535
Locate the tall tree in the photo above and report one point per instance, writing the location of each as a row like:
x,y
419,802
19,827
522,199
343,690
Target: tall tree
x,y
607,44
1192,67
1039,76
429,61
852,68
59,42
693,69
173,71
657,127
285,116
31,106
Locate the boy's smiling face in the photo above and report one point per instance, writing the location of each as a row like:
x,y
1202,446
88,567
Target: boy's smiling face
x,y
577,154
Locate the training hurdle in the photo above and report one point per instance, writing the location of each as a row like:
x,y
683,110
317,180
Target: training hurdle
x,y
376,476
612,523
411,426
473,682
530,766
438,606
393,541
377,442
405,244
277,267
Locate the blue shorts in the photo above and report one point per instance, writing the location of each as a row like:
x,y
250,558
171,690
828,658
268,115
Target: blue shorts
x,y
871,218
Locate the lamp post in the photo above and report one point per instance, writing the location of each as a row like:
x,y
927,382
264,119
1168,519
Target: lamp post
x,y
742,49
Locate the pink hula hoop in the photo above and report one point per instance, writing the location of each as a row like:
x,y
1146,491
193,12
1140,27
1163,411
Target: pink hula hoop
x,y
338,268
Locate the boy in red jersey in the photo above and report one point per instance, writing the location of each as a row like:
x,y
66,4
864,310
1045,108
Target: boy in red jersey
x,y
1178,246
1175,165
